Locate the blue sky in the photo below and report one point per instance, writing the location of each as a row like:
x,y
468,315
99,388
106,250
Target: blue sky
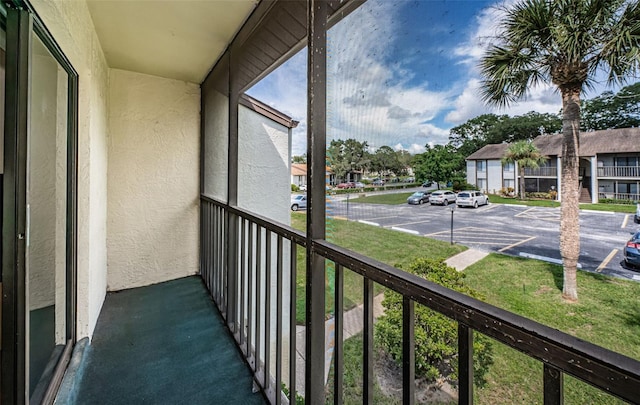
x,y
400,73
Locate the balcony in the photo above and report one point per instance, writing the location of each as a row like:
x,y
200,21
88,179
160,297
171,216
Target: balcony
x,y
541,172
248,280
619,171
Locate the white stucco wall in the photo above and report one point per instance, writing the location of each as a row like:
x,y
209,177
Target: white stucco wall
x,y
263,166
153,187
216,144
70,24
471,172
494,176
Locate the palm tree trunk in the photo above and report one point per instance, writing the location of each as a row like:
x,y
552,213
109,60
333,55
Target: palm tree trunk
x,y
521,183
569,208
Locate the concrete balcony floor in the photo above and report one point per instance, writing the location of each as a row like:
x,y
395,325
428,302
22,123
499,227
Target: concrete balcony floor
x,y
164,344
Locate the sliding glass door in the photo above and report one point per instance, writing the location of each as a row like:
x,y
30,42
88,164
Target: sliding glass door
x,y
39,211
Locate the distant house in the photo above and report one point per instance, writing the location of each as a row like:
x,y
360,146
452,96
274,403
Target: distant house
x,y
609,166
299,175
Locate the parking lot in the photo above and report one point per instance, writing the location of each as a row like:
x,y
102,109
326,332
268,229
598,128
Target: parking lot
x,y
511,229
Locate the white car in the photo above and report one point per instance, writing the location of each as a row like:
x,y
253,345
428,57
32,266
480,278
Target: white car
x,y
470,198
298,201
442,197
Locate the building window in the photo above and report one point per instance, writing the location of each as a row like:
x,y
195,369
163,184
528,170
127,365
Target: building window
x,y
508,166
481,165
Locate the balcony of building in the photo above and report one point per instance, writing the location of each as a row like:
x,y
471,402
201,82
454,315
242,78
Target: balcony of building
x,y
621,172
541,172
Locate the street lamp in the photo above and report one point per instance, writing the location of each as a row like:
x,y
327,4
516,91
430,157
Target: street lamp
x,y
452,207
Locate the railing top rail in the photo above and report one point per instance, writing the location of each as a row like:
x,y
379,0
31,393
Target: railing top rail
x,y
280,229
606,369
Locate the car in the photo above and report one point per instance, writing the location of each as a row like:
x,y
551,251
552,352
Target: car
x,y
303,187
427,184
298,202
418,197
359,184
378,182
348,184
636,217
631,251
470,198
442,197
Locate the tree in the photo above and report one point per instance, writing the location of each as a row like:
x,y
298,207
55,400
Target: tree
x,y
299,159
385,160
346,156
610,111
441,163
525,154
566,43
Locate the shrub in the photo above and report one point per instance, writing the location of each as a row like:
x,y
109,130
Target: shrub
x,y
436,336
294,188
463,185
540,195
616,201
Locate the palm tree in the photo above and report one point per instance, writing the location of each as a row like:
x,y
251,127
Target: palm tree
x,y
525,154
566,43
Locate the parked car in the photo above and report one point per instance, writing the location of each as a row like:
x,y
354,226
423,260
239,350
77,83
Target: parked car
x,y
378,182
418,197
359,184
442,197
427,184
303,187
631,251
348,184
636,217
298,201
471,199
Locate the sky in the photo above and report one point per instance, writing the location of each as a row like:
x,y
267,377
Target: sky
x,y
400,73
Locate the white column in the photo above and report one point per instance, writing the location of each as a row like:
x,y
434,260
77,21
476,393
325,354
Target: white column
x,y
559,176
594,180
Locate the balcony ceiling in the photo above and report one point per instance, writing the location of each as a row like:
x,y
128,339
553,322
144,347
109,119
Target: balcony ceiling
x,y
177,39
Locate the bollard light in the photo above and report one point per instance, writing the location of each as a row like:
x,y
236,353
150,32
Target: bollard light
x,y
452,207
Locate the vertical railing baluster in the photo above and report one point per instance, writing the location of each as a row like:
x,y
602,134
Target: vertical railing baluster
x,y
205,247
293,357
367,366
278,384
465,364
408,351
258,294
216,258
267,313
553,385
241,295
338,352
250,308
213,231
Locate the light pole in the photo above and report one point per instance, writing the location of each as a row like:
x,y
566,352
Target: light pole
x,y
452,207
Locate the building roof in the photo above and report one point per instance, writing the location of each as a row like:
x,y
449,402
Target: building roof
x,y
625,140
300,169
267,111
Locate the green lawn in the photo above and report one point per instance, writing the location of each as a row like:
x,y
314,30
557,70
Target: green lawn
x,y
387,246
390,199
607,313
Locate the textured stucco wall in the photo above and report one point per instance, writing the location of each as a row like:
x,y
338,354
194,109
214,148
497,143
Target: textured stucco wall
x,y
494,176
216,145
153,197
70,24
471,172
263,166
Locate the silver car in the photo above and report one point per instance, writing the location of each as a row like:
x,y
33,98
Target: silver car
x,y
471,199
442,197
298,201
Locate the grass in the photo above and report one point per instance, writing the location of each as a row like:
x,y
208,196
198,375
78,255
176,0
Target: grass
x,y
390,247
607,314
498,199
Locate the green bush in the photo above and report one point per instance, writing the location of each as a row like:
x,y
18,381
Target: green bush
x,y
540,195
295,188
616,201
462,185
436,336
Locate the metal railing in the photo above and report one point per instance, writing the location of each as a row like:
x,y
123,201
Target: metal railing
x,y
619,171
620,196
541,171
249,315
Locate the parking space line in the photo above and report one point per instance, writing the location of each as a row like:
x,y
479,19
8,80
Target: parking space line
x,y
516,244
519,214
405,230
368,222
379,218
624,221
408,223
607,260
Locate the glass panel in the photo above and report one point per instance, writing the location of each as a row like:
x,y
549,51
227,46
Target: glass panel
x,y
46,216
